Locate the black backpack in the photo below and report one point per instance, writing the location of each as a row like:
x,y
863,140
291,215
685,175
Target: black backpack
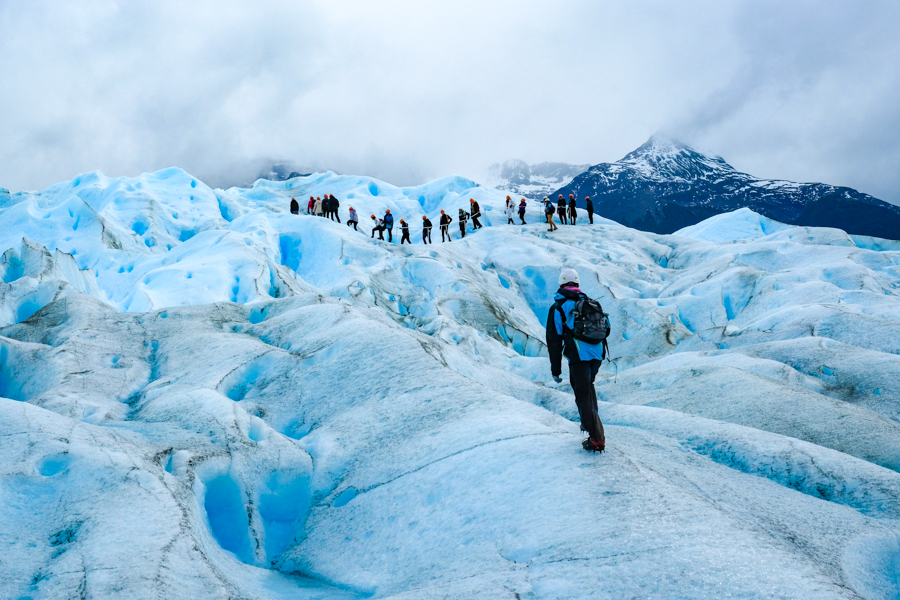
x,y
591,324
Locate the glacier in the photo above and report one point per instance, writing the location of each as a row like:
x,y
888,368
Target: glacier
x,y
205,396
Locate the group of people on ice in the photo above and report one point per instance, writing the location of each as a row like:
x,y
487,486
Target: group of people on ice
x,y
327,206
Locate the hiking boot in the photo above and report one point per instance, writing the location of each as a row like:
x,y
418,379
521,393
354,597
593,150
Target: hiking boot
x,y
592,446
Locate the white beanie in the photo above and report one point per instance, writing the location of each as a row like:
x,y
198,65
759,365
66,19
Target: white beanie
x,y
568,276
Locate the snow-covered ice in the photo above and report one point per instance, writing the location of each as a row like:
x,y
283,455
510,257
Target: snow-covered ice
x,y
204,396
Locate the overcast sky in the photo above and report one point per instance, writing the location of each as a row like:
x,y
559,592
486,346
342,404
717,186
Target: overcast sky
x,y
408,91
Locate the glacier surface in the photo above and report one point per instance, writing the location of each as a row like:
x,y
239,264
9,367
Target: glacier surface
x,y
205,396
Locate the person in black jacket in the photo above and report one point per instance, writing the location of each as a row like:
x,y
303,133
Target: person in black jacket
x,y
335,205
463,219
295,208
573,213
584,358
445,226
590,208
426,230
404,232
562,209
476,212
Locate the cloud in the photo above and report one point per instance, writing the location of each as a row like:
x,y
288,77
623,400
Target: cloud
x,y
407,91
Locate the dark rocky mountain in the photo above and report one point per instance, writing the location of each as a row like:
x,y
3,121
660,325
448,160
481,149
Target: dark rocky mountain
x,y
279,172
664,186
531,181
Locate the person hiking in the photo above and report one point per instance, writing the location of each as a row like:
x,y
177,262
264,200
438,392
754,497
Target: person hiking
x,y
378,225
404,232
445,226
562,209
584,358
311,205
509,202
295,208
510,212
426,230
476,212
326,206
317,209
549,210
573,214
463,219
522,206
335,205
590,208
389,224
353,220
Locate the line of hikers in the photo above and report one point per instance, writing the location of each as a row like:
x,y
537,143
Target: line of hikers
x,y
328,206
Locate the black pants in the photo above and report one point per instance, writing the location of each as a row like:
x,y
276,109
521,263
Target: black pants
x,y
522,217
475,223
591,217
380,231
509,221
462,230
334,212
562,215
572,219
581,376
426,236
405,236
445,230
354,223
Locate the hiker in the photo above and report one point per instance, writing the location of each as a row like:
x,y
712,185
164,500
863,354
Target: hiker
x,y
564,323
426,230
509,202
463,219
590,208
353,220
549,210
295,208
522,206
404,232
562,209
510,212
389,224
476,212
335,205
445,226
378,225
573,214
317,209
311,205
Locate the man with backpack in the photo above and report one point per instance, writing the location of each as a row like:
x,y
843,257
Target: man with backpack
x,y
426,230
577,328
548,211
389,224
476,212
445,226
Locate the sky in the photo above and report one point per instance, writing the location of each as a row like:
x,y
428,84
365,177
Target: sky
x,y
411,91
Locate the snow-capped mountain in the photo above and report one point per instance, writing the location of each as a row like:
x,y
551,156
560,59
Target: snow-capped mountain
x,y
664,186
531,181
205,396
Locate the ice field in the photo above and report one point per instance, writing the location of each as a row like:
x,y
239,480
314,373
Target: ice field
x,y
205,396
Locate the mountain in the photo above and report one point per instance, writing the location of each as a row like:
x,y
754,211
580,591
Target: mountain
x,y
531,181
203,396
664,186
279,172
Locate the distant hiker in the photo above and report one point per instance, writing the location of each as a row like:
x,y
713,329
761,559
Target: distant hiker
x,y
577,327
509,202
522,206
549,210
335,205
590,208
389,224
378,225
426,230
573,214
318,210
510,212
562,209
463,219
295,208
353,220
311,206
476,212
445,226
404,231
